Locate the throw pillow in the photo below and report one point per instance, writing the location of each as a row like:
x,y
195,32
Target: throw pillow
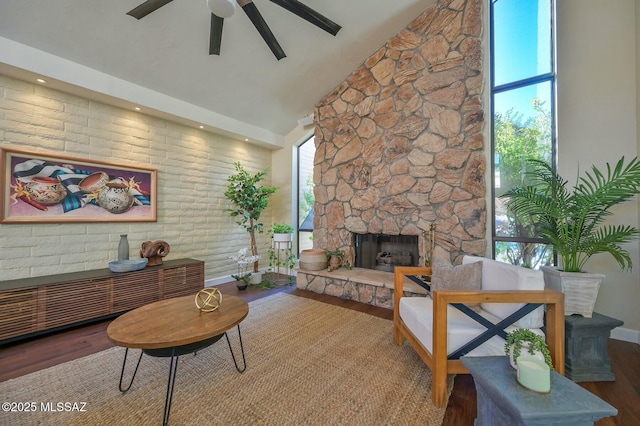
x,y
462,278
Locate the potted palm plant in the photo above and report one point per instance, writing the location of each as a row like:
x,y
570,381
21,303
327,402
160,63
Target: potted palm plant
x,y
572,221
248,200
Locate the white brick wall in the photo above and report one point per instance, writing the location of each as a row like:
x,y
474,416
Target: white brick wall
x,y
193,166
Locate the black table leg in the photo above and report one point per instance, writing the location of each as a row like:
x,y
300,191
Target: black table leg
x,y
241,349
173,369
124,363
175,353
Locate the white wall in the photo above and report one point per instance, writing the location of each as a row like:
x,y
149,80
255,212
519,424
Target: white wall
x,y
598,98
192,169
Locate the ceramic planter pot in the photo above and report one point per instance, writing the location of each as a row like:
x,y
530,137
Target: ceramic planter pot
x,y
524,351
580,289
256,278
335,262
282,238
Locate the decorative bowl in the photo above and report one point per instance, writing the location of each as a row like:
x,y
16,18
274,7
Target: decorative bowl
x,y
127,265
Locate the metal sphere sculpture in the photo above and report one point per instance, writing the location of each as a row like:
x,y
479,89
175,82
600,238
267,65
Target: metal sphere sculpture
x,y
208,299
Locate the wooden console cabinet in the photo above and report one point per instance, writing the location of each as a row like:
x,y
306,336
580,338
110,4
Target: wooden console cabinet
x,y
36,305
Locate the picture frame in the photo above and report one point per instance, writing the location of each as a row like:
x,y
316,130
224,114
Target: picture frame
x,y
39,187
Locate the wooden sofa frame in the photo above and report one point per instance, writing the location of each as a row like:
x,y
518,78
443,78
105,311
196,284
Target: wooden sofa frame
x,y
438,362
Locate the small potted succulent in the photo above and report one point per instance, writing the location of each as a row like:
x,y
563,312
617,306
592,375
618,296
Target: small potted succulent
x,y
242,261
523,338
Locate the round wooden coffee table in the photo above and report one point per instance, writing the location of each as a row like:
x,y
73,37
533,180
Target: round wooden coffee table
x,y
174,327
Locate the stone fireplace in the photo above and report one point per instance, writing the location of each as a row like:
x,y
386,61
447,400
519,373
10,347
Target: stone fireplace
x,y
399,144
383,252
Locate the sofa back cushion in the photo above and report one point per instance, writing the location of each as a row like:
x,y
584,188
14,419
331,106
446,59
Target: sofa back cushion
x,y
445,276
501,276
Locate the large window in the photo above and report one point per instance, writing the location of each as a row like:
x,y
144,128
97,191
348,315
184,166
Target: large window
x,y
523,116
306,154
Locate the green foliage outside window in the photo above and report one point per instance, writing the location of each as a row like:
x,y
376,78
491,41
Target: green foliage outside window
x,y
517,141
307,199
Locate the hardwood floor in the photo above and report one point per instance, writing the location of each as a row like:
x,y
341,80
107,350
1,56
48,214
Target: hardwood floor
x,y
19,358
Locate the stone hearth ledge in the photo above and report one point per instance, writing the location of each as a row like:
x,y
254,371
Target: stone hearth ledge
x,y
359,284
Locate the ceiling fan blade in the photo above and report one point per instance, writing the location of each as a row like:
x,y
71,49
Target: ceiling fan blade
x,y
252,12
215,35
310,15
147,7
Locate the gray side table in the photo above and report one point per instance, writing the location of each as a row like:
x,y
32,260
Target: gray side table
x,y
503,401
586,346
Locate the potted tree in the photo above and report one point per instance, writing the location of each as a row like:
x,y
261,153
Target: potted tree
x,y
248,200
572,221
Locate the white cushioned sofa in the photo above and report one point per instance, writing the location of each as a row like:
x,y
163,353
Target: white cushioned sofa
x,y
437,330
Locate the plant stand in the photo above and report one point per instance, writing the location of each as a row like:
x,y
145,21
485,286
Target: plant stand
x,y
586,343
280,260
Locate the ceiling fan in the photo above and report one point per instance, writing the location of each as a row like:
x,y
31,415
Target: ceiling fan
x,y
221,9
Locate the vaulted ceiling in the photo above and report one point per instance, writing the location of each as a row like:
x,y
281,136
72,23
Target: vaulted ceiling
x,y
162,62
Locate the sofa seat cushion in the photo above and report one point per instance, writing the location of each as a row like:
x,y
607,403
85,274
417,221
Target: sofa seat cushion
x,y
417,314
501,276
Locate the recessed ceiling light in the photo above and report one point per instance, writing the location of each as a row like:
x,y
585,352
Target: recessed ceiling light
x,y
138,109
39,80
246,140
201,126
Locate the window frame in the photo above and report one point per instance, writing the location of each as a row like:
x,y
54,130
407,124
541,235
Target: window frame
x,y
311,139
551,78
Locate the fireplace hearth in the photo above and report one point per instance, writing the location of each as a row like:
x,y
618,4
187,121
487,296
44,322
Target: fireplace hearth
x,y
385,252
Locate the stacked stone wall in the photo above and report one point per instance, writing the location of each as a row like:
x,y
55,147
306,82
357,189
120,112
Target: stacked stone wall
x,y
399,144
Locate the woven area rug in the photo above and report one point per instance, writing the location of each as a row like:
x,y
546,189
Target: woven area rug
x,y
308,363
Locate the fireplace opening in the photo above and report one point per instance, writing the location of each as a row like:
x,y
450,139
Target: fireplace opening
x,y
384,252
